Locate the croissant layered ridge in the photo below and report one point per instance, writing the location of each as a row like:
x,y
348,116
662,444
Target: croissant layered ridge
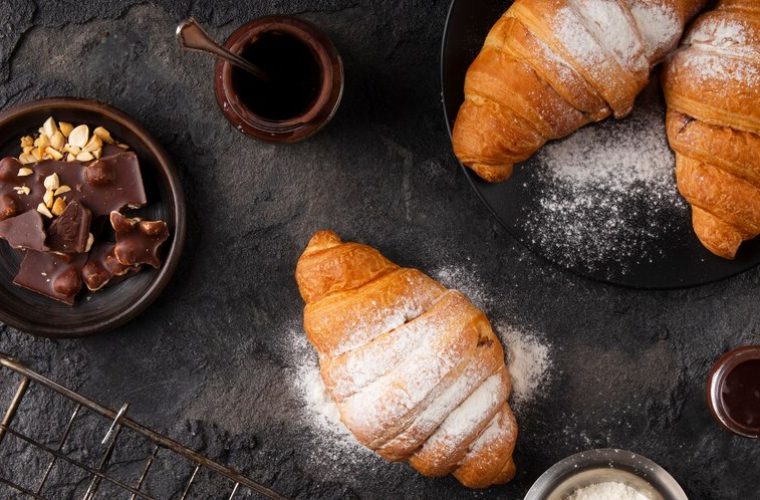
x,y
550,67
415,369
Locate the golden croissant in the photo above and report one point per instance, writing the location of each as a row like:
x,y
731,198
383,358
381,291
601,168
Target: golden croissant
x,y
712,89
416,371
549,67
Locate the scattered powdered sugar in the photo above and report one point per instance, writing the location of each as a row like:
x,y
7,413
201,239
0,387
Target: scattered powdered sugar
x,y
608,22
337,450
658,24
610,490
607,193
720,49
576,39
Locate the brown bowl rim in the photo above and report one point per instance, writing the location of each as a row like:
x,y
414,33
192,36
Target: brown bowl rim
x,y
167,170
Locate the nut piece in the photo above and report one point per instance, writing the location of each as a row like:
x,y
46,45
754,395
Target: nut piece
x,y
41,208
24,171
90,242
48,198
53,153
104,134
27,158
42,141
27,141
57,140
58,207
79,136
85,156
70,157
93,144
63,189
49,127
51,182
65,128
22,189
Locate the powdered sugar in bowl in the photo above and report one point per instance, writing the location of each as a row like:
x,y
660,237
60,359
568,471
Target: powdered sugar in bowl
x,y
606,474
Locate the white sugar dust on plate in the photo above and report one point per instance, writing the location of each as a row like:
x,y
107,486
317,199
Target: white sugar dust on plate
x,y
608,191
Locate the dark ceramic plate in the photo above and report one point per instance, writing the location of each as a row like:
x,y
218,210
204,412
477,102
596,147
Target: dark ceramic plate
x,y
656,248
115,305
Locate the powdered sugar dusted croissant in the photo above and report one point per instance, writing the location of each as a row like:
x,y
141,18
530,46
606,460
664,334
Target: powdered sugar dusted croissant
x,y
415,369
712,87
549,67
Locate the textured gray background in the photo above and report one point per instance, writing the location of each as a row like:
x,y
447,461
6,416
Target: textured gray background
x,y
210,363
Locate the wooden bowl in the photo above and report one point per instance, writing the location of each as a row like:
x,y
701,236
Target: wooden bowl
x,y
113,306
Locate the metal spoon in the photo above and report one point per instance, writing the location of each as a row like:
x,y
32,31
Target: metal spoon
x,y
191,36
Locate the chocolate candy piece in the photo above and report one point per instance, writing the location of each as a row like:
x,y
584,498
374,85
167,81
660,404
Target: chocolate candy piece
x,y
114,182
102,266
70,231
52,275
137,240
25,231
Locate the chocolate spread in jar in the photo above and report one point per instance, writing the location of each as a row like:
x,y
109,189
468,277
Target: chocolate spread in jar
x,y
733,391
741,394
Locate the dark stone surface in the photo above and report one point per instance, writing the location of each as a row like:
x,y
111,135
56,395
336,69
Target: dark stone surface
x,y
210,363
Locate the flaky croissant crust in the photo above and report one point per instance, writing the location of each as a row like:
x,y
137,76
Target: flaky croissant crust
x,y
416,371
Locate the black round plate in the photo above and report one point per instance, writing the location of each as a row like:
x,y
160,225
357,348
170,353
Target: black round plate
x,y
658,247
117,304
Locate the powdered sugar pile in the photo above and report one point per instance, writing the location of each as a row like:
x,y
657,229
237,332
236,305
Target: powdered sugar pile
x,y
608,491
529,362
607,193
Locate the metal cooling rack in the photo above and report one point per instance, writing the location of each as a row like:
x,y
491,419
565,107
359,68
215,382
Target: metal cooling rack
x,y
238,485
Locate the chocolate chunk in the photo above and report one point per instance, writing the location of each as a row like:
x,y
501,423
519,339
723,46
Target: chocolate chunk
x,y
125,186
70,231
137,240
52,275
25,231
102,266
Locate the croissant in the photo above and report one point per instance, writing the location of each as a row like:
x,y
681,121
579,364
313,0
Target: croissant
x,y
549,67
712,89
416,371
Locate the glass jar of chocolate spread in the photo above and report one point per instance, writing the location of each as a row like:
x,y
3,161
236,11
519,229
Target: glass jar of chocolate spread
x,y
733,391
304,83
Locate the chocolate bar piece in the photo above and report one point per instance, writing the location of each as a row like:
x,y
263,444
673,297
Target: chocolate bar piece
x,y
103,186
70,231
102,267
52,275
137,240
25,231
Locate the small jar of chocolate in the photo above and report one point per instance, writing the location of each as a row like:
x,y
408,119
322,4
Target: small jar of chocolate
x,y
733,391
304,83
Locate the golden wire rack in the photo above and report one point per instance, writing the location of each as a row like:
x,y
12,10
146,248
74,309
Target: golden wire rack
x,y
230,484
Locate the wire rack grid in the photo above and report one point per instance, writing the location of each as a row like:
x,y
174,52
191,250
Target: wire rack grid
x,y
233,485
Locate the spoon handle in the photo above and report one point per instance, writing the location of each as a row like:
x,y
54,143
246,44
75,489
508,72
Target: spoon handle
x,y
191,36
